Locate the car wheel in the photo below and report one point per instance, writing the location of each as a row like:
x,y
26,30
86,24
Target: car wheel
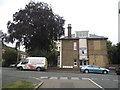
x,y
105,72
38,69
118,73
86,71
20,68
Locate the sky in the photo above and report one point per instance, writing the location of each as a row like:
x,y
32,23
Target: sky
x,y
99,17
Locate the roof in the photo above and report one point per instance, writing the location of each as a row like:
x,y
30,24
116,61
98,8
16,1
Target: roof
x,y
96,37
67,38
90,37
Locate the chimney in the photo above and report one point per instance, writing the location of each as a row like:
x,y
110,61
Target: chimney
x,y
69,30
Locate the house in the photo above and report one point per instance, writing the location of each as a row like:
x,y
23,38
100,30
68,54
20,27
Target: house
x,y
22,55
82,49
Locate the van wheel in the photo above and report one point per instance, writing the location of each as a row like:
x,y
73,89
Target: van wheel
x,y
20,68
38,69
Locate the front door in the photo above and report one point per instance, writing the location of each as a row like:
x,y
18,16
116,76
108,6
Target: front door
x,y
83,62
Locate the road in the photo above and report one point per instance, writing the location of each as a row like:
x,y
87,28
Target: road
x,y
62,79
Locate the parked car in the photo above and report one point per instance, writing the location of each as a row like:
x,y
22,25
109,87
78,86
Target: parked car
x,y
12,65
117,70
94,68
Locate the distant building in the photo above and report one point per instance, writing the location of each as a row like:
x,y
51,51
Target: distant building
x,y
83,49
23,55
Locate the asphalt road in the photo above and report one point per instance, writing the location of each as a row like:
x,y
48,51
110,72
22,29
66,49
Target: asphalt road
x,y
61,79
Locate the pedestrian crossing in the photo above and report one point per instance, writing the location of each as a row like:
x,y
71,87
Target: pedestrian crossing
x,y
71,78
61,78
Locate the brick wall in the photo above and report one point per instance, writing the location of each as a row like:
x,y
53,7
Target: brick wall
x,y
97,52
68,53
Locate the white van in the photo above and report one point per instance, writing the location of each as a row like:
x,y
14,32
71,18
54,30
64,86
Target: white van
x,y
36,63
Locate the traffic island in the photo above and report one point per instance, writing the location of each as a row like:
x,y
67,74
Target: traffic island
x,y
23,85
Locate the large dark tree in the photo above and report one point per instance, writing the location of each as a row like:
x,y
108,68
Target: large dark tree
x,y
114,53
35,27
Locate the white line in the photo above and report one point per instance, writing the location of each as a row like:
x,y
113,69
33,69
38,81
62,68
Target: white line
x,y
53,78
85,78
94,78
96,84
44,77
75,78
36,87
105,79
36,78
63,77
115,80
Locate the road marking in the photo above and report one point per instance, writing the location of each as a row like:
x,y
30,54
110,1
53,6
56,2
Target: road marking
x,y
43,77
96,84
85,78
64,78
53,78
75,78
35,78
115,80
105,79
94,78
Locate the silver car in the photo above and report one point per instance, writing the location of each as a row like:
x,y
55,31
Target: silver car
x,y
94,68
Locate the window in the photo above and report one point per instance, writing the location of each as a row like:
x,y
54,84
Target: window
x,y
75,46
82,51
85,63
80,62
75,62
24,62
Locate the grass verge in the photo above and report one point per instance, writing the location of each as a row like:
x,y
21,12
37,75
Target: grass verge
x,y
20,85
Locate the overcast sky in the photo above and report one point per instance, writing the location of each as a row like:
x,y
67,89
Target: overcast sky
x,y
100,17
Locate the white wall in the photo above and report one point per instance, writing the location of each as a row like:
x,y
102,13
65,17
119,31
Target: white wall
x,y
83,49
61,54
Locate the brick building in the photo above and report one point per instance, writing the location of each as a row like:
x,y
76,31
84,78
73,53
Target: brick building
x,y
83,49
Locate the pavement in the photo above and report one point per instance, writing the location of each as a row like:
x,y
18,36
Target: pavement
x,y
67,84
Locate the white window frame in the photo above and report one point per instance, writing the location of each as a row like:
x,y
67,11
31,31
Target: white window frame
x,y
75,46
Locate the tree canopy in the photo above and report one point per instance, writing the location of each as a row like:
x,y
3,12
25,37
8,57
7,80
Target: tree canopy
x,y
114,53
35,27
10,56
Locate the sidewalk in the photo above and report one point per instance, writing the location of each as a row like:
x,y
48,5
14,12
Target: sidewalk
x,y
67,84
